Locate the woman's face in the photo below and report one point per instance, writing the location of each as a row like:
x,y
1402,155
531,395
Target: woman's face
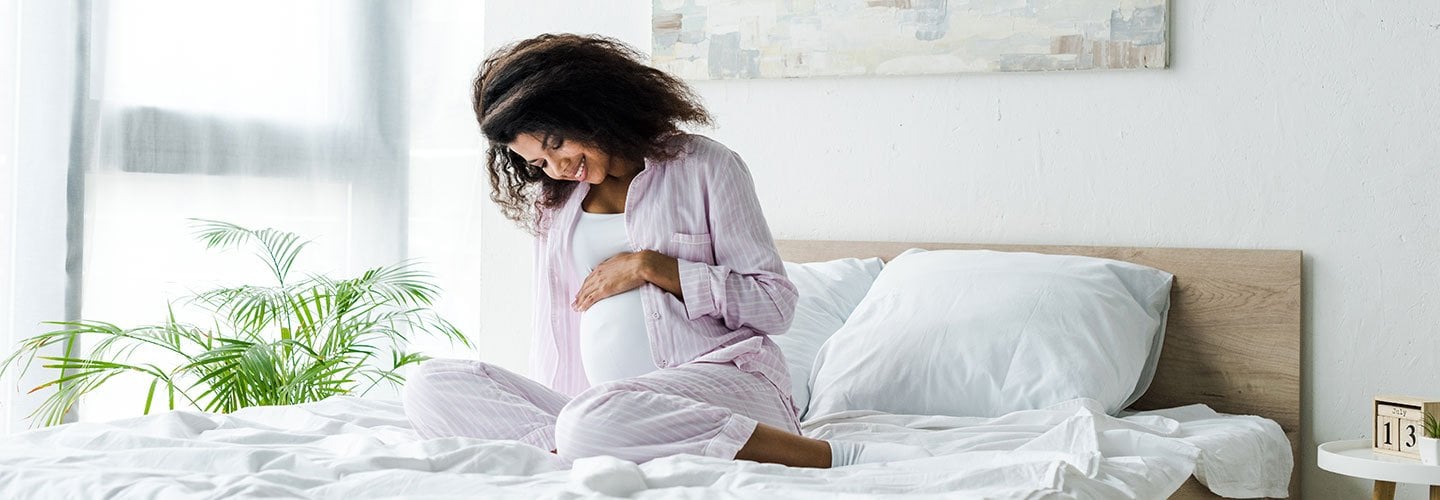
x,y
563,160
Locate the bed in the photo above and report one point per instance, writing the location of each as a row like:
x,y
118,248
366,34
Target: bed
x,y
1232,350
1233,338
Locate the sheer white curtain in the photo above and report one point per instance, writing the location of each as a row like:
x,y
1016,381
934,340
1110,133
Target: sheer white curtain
x,y
8,24
40,38
345,121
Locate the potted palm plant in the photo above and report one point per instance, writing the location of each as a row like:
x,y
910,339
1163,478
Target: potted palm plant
x,y
293,340
1429,445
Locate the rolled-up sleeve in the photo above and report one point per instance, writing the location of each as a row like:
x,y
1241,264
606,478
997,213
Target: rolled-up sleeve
x,y
747,287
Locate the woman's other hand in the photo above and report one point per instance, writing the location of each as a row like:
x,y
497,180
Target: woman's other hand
x,y
625,272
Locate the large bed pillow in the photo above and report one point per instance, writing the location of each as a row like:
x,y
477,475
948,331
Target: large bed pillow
x,y
983,333
829,291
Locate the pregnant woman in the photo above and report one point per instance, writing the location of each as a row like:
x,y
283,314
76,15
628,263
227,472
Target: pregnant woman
x,y
657,279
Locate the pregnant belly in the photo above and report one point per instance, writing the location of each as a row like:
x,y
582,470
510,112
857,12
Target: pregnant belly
x,y
613,343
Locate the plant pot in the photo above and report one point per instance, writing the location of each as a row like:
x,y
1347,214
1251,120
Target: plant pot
x,y
1429,449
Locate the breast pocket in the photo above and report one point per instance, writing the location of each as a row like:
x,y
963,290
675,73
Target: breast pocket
x,y
693,247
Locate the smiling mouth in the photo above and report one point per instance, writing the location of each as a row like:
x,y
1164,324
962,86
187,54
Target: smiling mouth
x,y
580,172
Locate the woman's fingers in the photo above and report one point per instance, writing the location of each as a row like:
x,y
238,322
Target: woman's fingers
x,y
593,289
581,298
608,279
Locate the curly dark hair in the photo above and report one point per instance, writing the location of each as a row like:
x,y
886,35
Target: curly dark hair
x,y
561,87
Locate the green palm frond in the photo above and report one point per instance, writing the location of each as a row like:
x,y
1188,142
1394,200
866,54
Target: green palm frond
x,y
398,360
278,249
81,376
400,283
287,342
218,234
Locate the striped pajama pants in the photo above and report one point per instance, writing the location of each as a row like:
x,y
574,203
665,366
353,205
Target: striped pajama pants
x,y
698,408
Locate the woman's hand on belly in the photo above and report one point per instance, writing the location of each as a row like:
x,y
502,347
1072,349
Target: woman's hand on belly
x,y
625,272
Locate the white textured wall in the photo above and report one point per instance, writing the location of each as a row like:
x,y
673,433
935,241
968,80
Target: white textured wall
x,y
1290,124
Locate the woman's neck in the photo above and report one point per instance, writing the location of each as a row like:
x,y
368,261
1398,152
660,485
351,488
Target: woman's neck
x,y
608,197
627,170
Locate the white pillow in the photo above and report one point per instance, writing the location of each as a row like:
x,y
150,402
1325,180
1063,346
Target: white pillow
x,y
982,333
829,291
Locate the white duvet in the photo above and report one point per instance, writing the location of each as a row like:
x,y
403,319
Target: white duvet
x,y
356,448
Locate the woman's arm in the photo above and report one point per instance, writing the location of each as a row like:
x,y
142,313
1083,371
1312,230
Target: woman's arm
x,y
748,286
662,271
625,272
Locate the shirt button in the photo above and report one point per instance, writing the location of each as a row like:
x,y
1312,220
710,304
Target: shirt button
x,y
664,363
653,315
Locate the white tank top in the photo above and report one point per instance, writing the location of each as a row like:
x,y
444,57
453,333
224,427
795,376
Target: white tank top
x,y
613,343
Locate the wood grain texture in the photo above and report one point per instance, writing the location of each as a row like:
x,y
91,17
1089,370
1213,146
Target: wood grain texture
x,y
1384,490
1233,336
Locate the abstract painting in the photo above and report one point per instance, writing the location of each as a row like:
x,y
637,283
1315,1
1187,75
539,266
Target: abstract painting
x,y
729,39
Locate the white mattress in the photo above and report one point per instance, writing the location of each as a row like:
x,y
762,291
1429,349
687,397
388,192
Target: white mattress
x,y
359,448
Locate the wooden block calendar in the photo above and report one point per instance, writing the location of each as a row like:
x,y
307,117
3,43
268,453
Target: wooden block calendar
x,y
1399,424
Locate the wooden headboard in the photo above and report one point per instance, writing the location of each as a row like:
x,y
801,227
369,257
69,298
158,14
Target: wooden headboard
x,y
1233,337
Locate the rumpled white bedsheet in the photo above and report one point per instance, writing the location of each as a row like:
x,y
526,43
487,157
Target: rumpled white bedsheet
x,y
354,448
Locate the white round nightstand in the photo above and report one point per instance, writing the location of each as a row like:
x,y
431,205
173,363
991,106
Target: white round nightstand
x,y
1354,458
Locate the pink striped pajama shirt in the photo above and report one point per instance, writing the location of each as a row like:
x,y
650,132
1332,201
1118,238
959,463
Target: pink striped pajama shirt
x,y
719,373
